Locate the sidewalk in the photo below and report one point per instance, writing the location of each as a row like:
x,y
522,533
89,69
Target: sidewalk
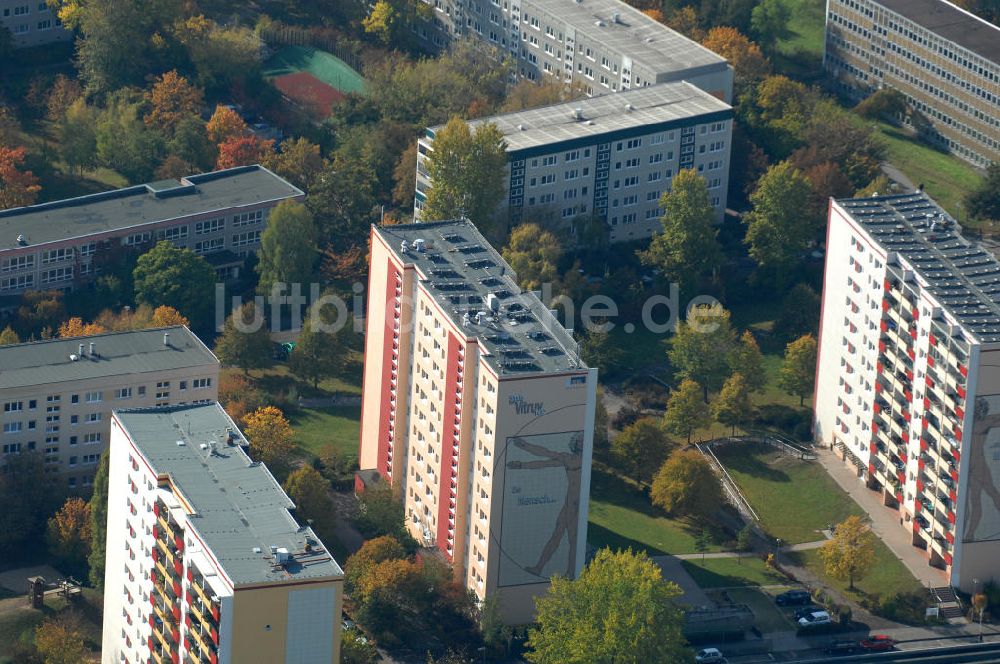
x,y
884,521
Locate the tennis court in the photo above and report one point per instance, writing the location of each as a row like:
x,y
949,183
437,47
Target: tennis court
x,y
312,78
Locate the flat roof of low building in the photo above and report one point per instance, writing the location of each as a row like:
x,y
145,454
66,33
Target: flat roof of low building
x,y
634,35
961,275
640,111
464,274
133,207
952,23
37,363
239,510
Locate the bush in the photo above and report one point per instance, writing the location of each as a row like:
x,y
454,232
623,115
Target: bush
x,y
792,421
626,416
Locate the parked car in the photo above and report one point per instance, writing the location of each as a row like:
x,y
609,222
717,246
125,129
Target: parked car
x,y
793,598
840,647
879,643
709,656
806,610
815,619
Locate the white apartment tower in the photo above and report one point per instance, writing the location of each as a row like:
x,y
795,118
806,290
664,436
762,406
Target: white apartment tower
x,y
908,375
477,406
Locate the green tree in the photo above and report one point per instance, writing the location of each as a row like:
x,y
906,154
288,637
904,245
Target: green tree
x,y
68,535
77,138
798,372
619,610
598,349
342,199
686,410
733,406
381,21
984,201
496,634
108,53
701,346
466,169
688,246
799,313
178,278
380,513
703,542
642,447
850,554
124,142
744,538
9,336
99,522
533,253
190,143
769,21
747,359
319,354
287,247
28,497
777,229
686,486
245,341
223,56
311,494
297,160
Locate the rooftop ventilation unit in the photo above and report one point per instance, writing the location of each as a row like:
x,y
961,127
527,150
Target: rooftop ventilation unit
x,y
281,556
481,318
577,113
419,244
493,302
629,107
22,241
404,246
166,339
616,17
520,127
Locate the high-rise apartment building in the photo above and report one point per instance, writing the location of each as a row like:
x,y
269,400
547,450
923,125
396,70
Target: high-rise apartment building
x,y
58,394
908,376
610,157
32,23
478,407
61,244
945,60
601,45
205,562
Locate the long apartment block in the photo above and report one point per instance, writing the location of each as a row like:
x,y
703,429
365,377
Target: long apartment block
x,y
219,215
908,376
32,23
58,394
478,407
945,60
205,561
600,45
610,157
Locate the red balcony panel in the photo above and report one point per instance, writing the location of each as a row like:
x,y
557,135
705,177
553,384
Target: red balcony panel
x,y
958,433
156,532
951,517
151,621
886,285
906,413
957,455
962,370
899,498
176,634
912,354
177,591
187,620
923,422
927,403
959,412
878,367
871,467
179,542
874,427
933,340
884,326
885,305
213,657
215,636
901,476
215,612
954,476
916,507
953,495
187,642
920,487
178,566
947,558
951,538
905,437
149,642
876,408
881,346
928,381
152,599
916,314
188,597
909,396
872,448
155,554
961,391
923,445
190,575
175,657
177,613
909,374
156,509
913,334
930,361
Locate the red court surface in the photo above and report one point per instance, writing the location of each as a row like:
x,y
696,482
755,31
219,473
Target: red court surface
x,y
308,92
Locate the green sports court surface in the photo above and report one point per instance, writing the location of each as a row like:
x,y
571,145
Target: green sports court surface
x,y
324,66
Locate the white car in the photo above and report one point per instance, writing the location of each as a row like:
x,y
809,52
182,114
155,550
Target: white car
x,y
815,619
709,656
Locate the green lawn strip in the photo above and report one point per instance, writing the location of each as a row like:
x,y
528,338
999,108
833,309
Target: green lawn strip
x,y
794,499
622,517
805,26
887,577
316,428
641,349
731,572
767,616
15,624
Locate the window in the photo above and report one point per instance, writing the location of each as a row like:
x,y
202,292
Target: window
x,y
20,282
548,179
93,417
572,174
12,448
549,160
210,246
656,158
91,458
17,263
572,155
12,427
75,398
247,238
124,393
88,249
248,218
94,397
136,238
209,226
57,274
632,181
173,234
13,406
91,438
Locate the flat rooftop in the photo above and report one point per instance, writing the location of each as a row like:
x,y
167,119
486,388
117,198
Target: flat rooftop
x,y
635,35
649,108
962,276
37,363
132,207
238,505
460,270
952,23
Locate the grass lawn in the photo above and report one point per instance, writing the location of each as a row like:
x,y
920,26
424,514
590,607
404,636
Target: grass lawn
x,y
946,178
339,426
277,379
794,499
888,575
767,616
18,621
731,572
642,350
805,27
622,517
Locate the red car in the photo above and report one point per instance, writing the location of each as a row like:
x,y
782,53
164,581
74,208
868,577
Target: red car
x,y
879,643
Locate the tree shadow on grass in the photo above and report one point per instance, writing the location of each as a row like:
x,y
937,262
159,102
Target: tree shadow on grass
x,y
601,537
748,459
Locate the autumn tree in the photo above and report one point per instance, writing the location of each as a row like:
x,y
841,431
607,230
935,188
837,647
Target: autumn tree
x,y
533,253
245,341
798,372
9,336
287,252
225,124
749,63
686,410
77,137
311,494
747,359
642,447
850,554
243,151
61,640
68,534
297,160
178,278
467,170
372,552
685,21
620,609
165,316
381,21
404,178
688,246
271,438
687,486
98,510
777,230
171,99
701,346
63,94
527,94
75,327
733,406
18,187
224,56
